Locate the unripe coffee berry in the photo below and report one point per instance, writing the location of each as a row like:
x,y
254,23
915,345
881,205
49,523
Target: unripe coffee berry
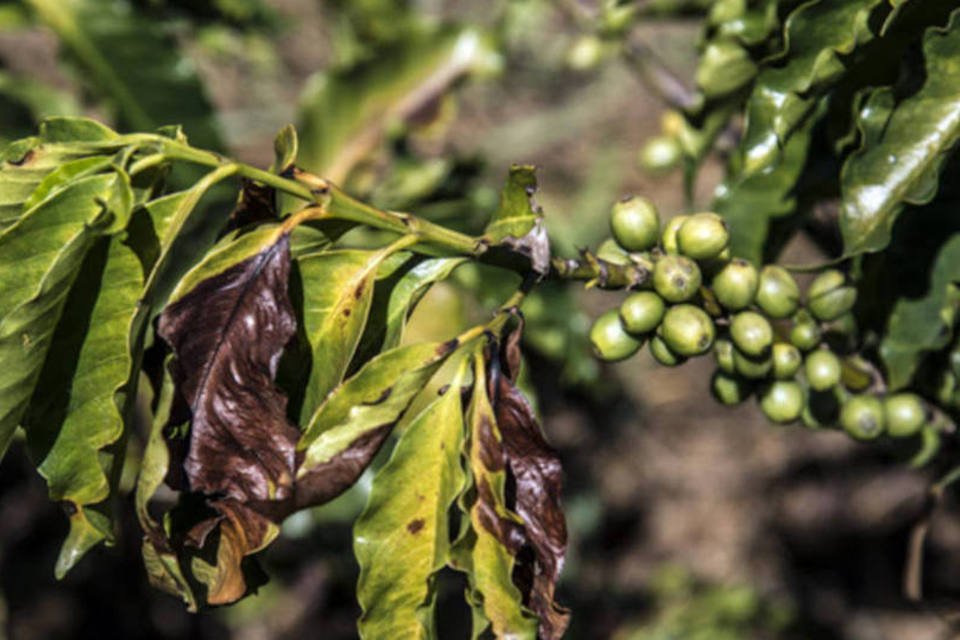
x,y
703,236
676,278
663,353
735,286
782,401
610,340
806,335
660,154
905,414
641,312
751,333
723,352
669,237
635,223
786,360
862,417
822,369
727,389
750,367
777,292
829,295
687,330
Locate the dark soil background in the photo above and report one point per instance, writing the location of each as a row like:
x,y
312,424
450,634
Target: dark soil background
x,y
658,475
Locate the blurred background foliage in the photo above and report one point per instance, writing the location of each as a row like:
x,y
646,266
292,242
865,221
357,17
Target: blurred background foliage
x,y
687,520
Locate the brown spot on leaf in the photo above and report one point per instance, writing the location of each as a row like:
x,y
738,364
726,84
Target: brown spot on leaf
x,y
257,203
358,292
328,480
26,159
414,526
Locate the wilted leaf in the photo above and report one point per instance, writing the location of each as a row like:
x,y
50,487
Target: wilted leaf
x,y
517,222
402,539
228,323
901,156
515,549
40,258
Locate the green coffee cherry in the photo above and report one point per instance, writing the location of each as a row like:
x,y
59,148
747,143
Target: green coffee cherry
x,y
727,389
777,292
782,401
641,312
723,352
751,333
660,154
610,340
805,335
676,278
687,330
905,414
736,284
610,251
635,223
829,296
786,360
862,417
664,354
703,236
822,369
750,367
669,237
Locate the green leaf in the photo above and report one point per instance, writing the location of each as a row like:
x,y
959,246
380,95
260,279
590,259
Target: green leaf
x,y
348,428
900,158
40,257
517,213
402,538
86,392
818,35
134,62
495,600
920,324
750,204
346,114
286,146
409,290
335,313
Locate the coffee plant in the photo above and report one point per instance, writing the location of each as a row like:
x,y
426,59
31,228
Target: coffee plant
x,y
258,314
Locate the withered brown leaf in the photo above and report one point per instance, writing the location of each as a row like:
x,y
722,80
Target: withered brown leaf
x,y
534,489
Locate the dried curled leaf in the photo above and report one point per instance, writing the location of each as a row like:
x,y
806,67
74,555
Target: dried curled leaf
x,y
228,333
519,535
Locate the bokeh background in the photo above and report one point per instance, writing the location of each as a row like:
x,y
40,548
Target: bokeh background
x,y
688,520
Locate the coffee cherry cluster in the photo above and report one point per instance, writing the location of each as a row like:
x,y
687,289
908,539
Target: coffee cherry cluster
x,y
768,340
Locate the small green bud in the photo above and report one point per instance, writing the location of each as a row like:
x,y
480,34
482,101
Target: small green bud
x,y
829,295
669,237
786,360
687,330
610,340
723,352
728,389
585,53
751,333
663,353
777,293
862,417
750,367
806,335
641,312
703,236
676,278
823,369
736,284
660,154
905,414
782,401
635,223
